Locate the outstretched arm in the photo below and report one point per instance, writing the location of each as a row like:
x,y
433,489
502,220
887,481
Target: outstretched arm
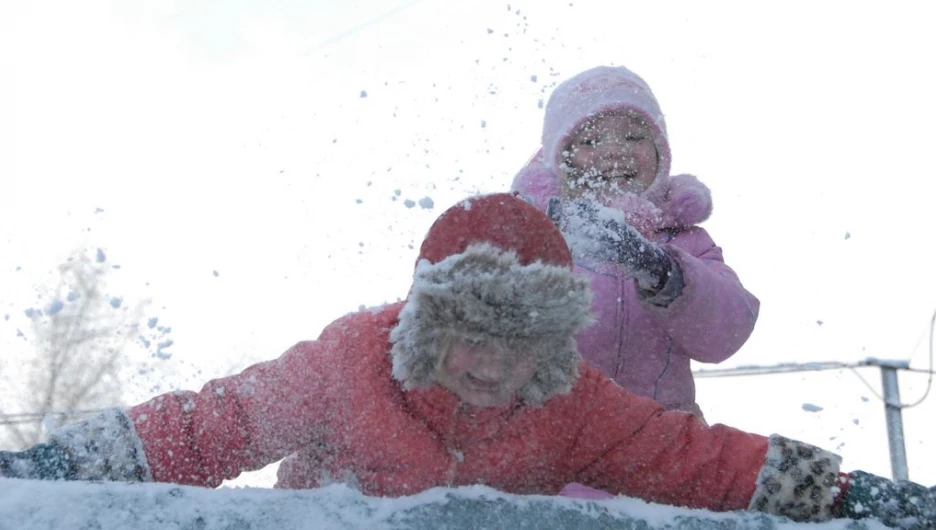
x,y
641,450
238,423
234,424
638,449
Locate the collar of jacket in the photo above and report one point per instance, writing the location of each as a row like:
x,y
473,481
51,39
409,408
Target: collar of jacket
x,y
455,422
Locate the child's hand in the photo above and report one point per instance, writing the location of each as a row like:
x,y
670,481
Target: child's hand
x,y
42,461
599,232
901,504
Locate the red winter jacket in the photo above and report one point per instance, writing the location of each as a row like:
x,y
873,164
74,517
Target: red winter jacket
x,y
336,395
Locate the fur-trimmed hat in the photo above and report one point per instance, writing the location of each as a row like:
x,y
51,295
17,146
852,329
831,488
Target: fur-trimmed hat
x,y
495,269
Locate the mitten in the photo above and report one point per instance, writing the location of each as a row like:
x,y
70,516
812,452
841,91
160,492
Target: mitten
x,y
902,504
602,233
42,461
100,448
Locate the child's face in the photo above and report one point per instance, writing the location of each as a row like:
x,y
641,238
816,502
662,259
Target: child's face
x,y
483,375
611,153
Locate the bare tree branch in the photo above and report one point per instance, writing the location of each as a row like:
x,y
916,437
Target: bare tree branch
x,y
80,338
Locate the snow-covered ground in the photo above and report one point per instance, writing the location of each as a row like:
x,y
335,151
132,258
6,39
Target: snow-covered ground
x,y
33,505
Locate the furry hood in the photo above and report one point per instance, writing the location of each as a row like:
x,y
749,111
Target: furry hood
x,y
494,269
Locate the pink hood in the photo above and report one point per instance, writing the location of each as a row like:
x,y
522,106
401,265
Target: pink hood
x,y
599,90
669,202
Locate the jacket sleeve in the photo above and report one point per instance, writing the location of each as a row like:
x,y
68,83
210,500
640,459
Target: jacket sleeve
x,y
714,315
672,457
239,423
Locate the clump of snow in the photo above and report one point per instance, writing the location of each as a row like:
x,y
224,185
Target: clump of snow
x,y
34,505
161,352
55,307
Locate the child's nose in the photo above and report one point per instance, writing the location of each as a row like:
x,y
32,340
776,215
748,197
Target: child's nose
x,y
489,366
615,160
615,150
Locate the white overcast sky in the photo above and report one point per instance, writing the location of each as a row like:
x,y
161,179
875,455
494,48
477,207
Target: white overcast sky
x,y
278,142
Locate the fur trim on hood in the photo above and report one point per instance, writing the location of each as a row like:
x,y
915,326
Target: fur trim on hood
x,y
508,282
684,201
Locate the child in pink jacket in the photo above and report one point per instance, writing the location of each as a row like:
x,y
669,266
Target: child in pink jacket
x,y
663,295
474,379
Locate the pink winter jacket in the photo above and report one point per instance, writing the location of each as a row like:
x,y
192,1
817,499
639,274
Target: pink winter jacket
x,y
644,347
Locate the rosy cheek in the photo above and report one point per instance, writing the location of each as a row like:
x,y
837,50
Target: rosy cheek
x,y
582,158
458,361
523,372
647,151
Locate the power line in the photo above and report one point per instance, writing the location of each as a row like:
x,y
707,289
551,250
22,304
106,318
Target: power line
x,y
373,21
929,381
832,365
743,371
21,418
805,367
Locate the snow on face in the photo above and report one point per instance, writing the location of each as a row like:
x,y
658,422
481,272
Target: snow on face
x,y
609,154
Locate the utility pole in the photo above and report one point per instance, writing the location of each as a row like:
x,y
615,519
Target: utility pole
x,y
893,415
892,406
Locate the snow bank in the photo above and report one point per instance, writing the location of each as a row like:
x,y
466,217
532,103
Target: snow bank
x,y
34,505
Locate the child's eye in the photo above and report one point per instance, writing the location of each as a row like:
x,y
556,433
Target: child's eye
x,y
634,137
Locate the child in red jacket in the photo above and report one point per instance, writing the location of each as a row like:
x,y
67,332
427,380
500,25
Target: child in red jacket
x,y
474,379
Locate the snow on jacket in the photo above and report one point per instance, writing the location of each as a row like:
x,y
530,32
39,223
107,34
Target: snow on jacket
x,y
362,402
337,394
645,347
